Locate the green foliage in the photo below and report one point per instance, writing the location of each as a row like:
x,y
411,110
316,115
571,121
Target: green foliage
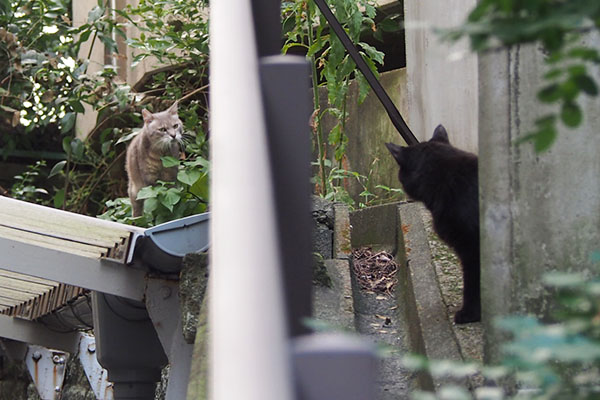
x,y
49,85
305,28
25,186
166,201
173,32
547,361
559,26
372,194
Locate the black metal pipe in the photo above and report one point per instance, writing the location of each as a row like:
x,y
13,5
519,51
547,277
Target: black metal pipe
x,y
381,94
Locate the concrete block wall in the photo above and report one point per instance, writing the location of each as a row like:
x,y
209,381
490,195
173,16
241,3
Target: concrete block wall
x,y
538,212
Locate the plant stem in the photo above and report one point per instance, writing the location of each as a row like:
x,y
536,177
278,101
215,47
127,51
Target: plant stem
x,y
106,171
315,84
66,187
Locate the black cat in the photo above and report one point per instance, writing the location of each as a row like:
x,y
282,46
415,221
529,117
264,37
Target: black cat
x,y
444,178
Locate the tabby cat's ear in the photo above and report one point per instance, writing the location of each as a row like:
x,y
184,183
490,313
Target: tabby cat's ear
x,y
173,109
147,115
440,135
395,150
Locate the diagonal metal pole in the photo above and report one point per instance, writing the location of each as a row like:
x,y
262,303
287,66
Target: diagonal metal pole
x,y
381,94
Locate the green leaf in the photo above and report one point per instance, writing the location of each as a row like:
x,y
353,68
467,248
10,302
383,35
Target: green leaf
x,y
58,167
544,139
169,161
585,53
77,148
545,135
363,88
106,147
314,48
170,198
189,176
146,193
571,114
587,84
372,52
129,136
76,106
67,122
553,73
550,93
95,14
335,135
66,145
59,198
389,24
150,205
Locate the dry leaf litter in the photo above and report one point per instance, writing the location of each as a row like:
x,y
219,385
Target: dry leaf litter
x,y
375,271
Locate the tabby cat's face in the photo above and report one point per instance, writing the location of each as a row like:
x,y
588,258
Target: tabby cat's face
x,y
163,128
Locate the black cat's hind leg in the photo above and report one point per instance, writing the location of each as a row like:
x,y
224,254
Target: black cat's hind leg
x,y
471,309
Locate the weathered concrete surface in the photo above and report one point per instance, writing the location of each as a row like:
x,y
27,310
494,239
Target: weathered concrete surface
x,y
323,215
430,330
192,289
368,127
441,79
376,227
334,304
539,212
342,248
379,318
198,383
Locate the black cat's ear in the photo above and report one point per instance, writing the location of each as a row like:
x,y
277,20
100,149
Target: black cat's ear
x,y
440,135
395,150
147,115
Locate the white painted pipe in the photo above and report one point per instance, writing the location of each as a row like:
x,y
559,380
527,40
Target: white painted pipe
x,y
249,352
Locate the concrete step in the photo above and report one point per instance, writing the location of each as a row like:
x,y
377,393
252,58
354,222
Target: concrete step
x,y
417,318
404,229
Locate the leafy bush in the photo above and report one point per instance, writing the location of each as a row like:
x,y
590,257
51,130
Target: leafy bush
x,y
546,360
305,30
48,85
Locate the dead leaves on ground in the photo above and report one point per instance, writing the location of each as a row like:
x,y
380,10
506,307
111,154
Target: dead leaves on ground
x,y
375,272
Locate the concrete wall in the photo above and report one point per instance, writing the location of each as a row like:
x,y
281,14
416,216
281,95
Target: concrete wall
x,y
368,128
539,212
442,79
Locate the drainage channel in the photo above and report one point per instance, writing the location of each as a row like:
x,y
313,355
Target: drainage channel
x,y
380,318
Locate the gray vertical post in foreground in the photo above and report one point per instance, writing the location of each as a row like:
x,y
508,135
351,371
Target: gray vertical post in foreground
x,y
267,26
334,366
286,89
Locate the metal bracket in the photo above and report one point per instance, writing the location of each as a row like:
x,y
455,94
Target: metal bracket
x,y
97,376
47,369
162,303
